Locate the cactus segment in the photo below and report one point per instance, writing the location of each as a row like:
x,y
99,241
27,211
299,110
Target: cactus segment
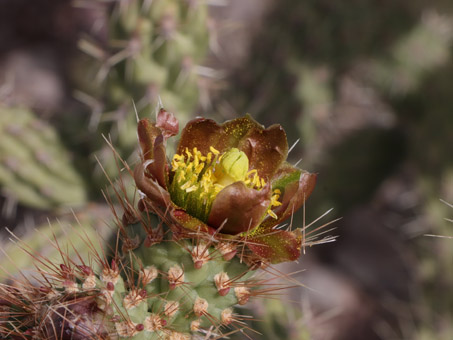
x,y
151,290
150,55
34,165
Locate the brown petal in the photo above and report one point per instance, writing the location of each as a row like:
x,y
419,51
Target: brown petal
x,y
189,222
277,246
156,169
295,194
200,133
243,133
168,123
147,133
150,187
234,131
266,149
238,208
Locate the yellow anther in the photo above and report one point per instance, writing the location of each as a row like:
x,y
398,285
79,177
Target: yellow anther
x,y
192,188
181,176
214,151
186,185
274,201
188,153
253,171
256,181
199,178
272,214
199,168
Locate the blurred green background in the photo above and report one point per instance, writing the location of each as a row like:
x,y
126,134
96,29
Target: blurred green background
x,y
364,86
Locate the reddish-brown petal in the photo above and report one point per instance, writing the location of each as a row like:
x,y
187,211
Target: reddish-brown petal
x,y
156,168
168,123
296,194
200,133
189,222
147,133
150,187
235,130
296,187
266,149
276,246
238,208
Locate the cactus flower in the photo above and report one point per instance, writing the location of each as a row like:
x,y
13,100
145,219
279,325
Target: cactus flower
x,y
230,180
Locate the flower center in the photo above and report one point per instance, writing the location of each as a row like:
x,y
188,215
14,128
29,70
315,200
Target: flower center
x,y
196,179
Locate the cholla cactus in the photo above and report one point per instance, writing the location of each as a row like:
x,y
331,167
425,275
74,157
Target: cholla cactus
x,y
188,253
152,52
35,168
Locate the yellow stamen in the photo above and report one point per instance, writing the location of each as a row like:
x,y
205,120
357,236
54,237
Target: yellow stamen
x,y
214,151
198,178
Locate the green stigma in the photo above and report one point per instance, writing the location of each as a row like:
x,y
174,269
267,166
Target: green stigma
x,y
232,167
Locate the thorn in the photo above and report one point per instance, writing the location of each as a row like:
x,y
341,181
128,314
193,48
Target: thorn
x,y
293,146
135,110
